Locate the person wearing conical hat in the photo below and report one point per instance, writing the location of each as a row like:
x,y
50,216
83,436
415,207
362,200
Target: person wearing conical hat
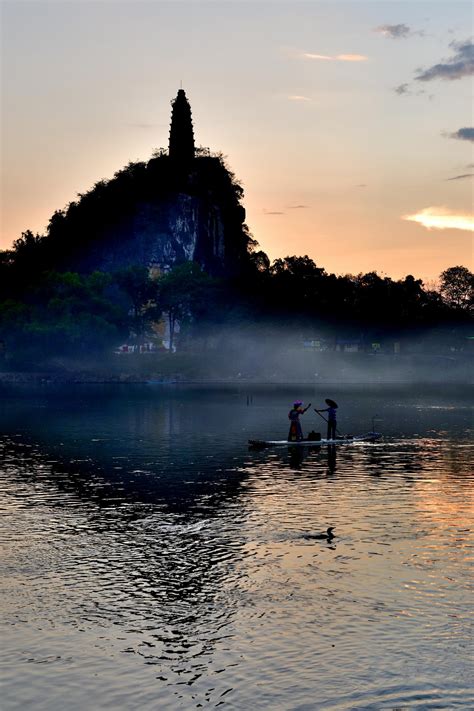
x,y
296,433
332,417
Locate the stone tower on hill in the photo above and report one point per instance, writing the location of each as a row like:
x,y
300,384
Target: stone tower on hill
x,y
181,146
181,205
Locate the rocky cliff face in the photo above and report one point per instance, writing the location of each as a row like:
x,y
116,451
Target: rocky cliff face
x,y
163,233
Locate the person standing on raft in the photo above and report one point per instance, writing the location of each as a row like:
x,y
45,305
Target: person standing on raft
x,y
332,417
296,433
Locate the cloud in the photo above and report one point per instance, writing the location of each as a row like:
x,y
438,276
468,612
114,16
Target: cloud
x,y
298,97
297,207
351,57
336,57
441,218
461,177
394,31
361,185
463,134
460,65
402,89
272,212
309,55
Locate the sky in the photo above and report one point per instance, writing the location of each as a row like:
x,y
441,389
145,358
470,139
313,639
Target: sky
x,y
349,124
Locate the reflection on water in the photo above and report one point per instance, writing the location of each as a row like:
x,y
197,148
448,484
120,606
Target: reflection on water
x,y
149,560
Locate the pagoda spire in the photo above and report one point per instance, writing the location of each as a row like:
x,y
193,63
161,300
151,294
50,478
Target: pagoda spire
x,y
181,145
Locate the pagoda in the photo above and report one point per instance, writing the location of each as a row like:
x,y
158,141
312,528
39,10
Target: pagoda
x,y
181,143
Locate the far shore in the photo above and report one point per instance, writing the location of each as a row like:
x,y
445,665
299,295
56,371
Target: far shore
x,y
249,368
57,379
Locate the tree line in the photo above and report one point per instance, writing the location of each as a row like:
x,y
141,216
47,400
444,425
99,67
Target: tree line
x,y
296,286
81,315
73,314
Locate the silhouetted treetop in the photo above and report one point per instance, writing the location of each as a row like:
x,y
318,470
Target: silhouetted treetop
x,y
457,288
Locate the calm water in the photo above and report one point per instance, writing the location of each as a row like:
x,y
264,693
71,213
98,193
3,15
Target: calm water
x,y
150,561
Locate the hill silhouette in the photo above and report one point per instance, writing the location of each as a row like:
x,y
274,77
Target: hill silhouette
x,y
154,214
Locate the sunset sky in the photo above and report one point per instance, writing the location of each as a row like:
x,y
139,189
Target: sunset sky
x,y
349,123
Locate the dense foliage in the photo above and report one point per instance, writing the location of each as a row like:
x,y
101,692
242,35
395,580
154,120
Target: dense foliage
x,y
69,314
61,314
83,316
297,287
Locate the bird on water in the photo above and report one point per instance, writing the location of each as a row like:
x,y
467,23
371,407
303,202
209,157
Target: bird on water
x,y
328,536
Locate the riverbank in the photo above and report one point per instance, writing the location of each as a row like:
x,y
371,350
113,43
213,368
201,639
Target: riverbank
x,y
252,366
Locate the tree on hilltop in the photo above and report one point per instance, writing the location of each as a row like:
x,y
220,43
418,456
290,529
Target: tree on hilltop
x,y
457,288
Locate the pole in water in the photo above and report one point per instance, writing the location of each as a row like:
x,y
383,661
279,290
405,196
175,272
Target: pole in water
x,y
374,417
337,431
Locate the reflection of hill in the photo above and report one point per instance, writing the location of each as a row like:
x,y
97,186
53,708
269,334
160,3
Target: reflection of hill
x,y
148,561
135,449
183,445
123,486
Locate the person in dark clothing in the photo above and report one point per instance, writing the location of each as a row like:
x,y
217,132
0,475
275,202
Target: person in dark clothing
x,y
296,433
332,418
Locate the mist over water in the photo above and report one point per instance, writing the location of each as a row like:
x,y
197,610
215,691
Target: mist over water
x,y
329,357
150,560
273,353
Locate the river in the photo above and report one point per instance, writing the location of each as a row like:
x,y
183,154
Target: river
x,y
149,560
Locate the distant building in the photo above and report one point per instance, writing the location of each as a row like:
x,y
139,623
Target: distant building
x,y
348,345
316,344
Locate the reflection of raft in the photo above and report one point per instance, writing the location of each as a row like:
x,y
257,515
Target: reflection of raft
x,y
262,443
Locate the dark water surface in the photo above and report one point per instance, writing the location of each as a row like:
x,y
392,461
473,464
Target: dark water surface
x,y
150,561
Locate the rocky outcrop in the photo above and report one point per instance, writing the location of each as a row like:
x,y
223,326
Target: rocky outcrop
x,y
157,215
163,233
181,205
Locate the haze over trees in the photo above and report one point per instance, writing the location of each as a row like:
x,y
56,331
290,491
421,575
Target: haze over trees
x,y
73,314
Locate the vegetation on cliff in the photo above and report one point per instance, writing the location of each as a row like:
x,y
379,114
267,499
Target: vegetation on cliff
x,y
100,220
